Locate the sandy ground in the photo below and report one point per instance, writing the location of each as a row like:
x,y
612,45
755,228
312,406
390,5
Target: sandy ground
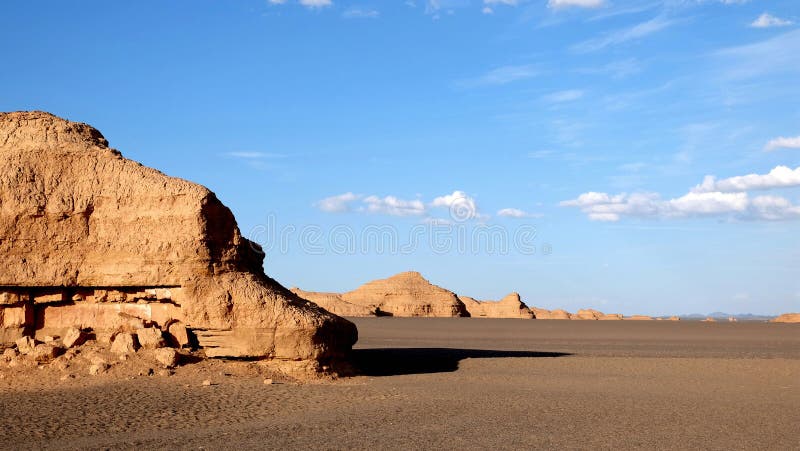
x,y
448,383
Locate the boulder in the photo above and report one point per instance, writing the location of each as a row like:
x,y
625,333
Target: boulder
x,y
334,303
177,334
75,214
46,352
407,294
124,343
73,337
167,357
25,345
151,338
788,318
510,306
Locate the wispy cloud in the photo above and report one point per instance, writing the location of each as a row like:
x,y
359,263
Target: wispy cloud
x,y
563,96
621,36
767,20
559,4
500,76
783,143
775,55
256,160
516,213
340,203
615,69
310,4
316,3
361,13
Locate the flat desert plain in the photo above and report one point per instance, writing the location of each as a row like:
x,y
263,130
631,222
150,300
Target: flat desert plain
x,y
453,384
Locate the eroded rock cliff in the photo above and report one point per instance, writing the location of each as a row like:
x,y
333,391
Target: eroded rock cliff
x,y
88,236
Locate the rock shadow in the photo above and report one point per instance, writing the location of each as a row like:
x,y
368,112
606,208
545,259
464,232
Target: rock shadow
x,y
404,361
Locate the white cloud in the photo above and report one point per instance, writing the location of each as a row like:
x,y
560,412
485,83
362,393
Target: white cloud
x,y
783,143
516,213
487,10
462,207
337,204
393,206
779,177
767,20
501,2
617,37
558,4
713,198
359,13
564,96
316,3
277,2
501,75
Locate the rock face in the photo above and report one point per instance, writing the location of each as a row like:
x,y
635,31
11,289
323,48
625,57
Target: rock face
x,y
334,303
91,239
788,318
540,313
510,306
407,294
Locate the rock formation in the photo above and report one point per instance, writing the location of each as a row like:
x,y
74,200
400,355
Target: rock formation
x,y
90,239
639,318
788,318
510,306
334,303
540,313
407,294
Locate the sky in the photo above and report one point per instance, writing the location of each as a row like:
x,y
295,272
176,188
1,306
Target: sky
x,y
639,157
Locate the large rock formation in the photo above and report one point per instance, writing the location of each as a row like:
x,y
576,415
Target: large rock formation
x,y
407,294
334,303
510,306
788,318
91,239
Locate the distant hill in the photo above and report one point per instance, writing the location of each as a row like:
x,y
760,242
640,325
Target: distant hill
x,y
725,316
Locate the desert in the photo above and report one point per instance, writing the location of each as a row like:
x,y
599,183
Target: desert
x,y
423,224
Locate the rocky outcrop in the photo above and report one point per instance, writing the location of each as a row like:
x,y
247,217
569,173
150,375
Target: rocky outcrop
x,y
334,303
407,294
91,239
510,306
788,318
540,313
639,318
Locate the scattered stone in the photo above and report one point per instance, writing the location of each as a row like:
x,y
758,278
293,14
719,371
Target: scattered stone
x,y
167,357
73,337
165,373
123,357
46,352
206,383
9,354
25,345
178,333
67,376
98,368
268,382
50,338
151,338
124,343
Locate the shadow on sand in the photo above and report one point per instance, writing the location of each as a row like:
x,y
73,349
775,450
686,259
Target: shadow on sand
x,y
401,361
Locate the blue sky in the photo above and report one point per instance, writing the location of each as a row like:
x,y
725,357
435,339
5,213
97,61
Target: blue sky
x,y
653,146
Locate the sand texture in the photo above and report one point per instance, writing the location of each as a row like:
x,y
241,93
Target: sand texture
x,y
454,384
